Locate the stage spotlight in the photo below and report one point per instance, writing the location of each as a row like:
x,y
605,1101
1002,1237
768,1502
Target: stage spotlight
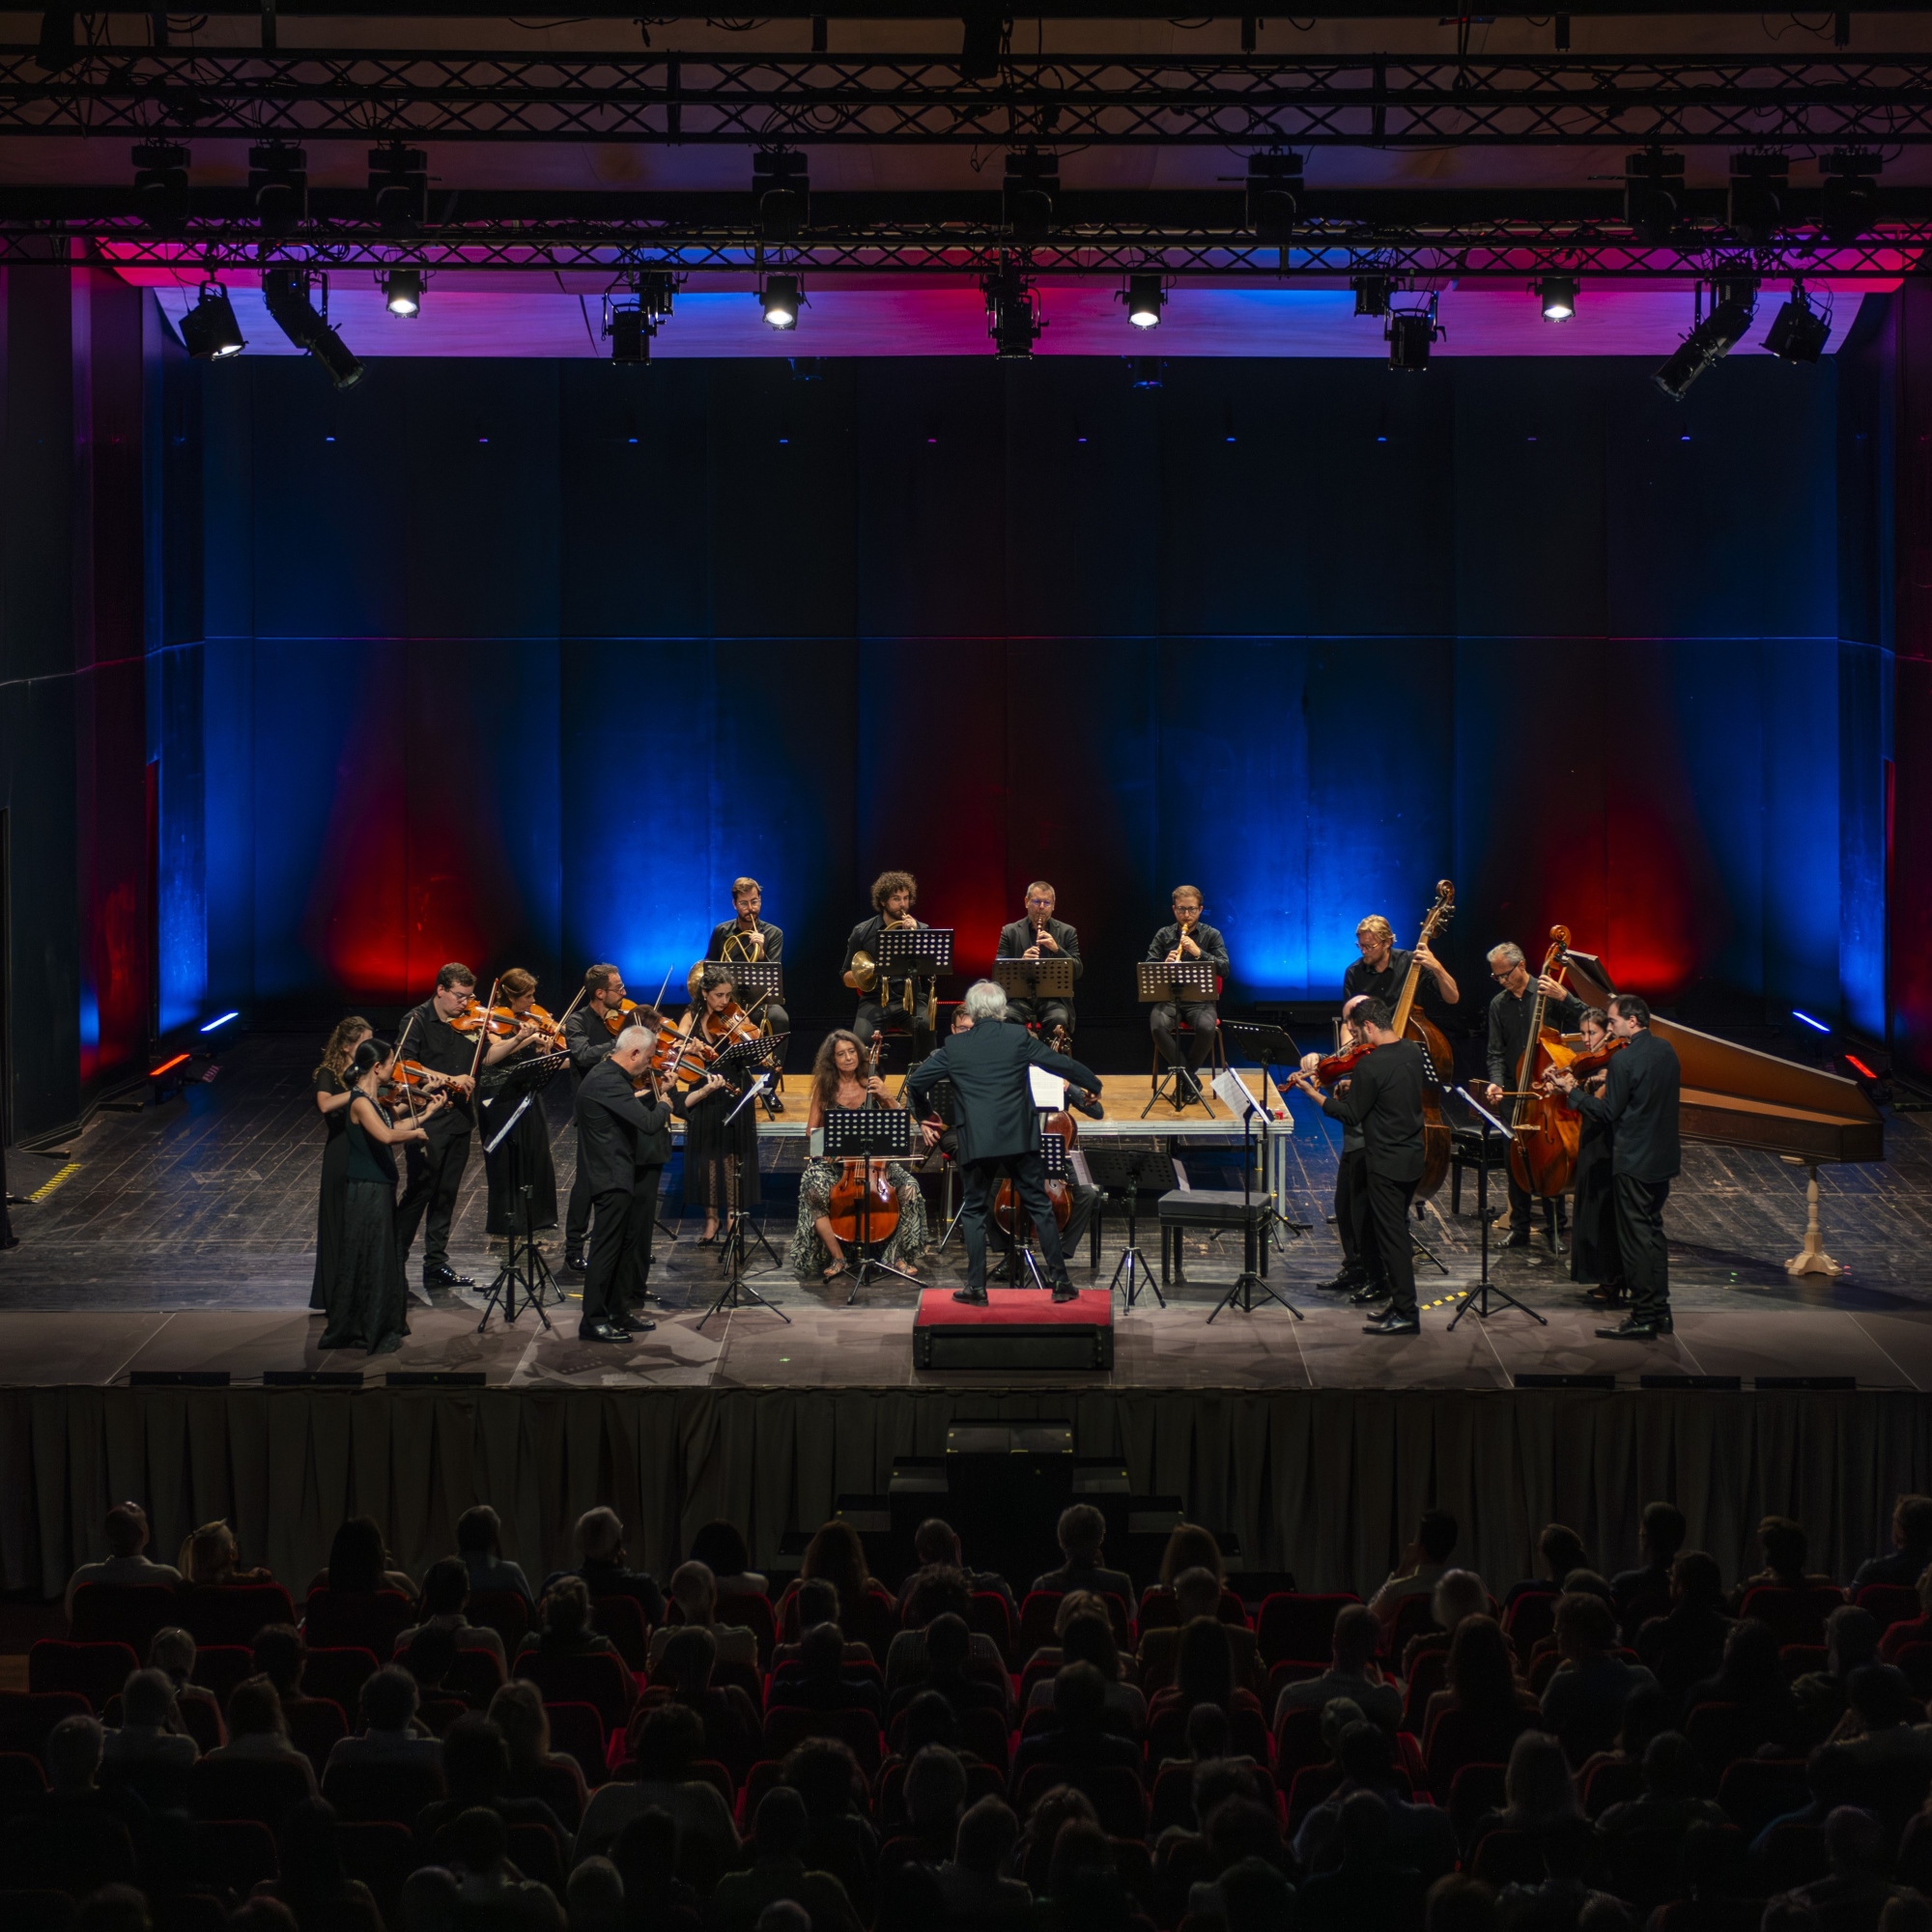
x,y
1559,298
403,291
632,321
1145,297
1850,196
285,292
1031,181
1653,195
1733,303
783,188
278,187
1012,314
1759,183
1409,334
982,47
630,332
780,299
160,186
209,330
1797,332
1274,195
399,187
1371,293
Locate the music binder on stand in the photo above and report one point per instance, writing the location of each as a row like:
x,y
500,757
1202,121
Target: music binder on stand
x,y
1187,983
919,952
1238,1099
760,983
1034,980
523,1265
1478,1297
737,1290
869,1133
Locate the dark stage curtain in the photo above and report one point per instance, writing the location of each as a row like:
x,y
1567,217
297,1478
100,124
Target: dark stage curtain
x,y
1328,1484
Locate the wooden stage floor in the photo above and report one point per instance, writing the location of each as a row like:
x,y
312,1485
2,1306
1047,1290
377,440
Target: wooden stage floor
x,y
183,1239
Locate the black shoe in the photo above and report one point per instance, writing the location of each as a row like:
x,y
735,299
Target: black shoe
x,y
1638,1329
1390,1322
599,1331
1606,1295
1344,1283
577,1265
1371,1290
1064,1291
630,1324
974,1297
441,1276
1518,1239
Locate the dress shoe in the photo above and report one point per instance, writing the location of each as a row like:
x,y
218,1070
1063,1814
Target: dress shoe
x,y
598,1331
1064,1291
1390,1322
1638,1329
577,1265
975,1297
1518,1239
1604,1295
1344,1283
632,1325
1371,1290
442,1276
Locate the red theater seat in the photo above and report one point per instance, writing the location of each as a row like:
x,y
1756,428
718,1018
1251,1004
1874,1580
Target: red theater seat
x,y
95,1671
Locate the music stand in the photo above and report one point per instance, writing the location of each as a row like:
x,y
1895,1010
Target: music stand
x,y
1478,1297
1053,1159
869,1133
1187,983
737,1290
524,1264
1118,1169
1272,1046
1034,980
761,983
1242,1293
761,1053
921,952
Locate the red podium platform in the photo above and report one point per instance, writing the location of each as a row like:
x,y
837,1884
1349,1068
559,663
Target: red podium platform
x,y
1018,1328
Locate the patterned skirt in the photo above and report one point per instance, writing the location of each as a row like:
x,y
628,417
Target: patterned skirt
x,y
808,1254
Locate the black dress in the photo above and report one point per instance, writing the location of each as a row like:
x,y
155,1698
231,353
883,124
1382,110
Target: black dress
x,y
708,1140
1593,1228
335,1175
530,1137
368,1299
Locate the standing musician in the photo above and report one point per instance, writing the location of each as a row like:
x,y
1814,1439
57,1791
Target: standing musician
x,y
1187,938
1509,1035
1039,935
842,1077
1593,1255
610,1126
712,1018
588,1039
999,1130
910,1003
745,937
653,1157
530,1136
1639,1101
1362,1277
434,1166
1383,1098
1384,965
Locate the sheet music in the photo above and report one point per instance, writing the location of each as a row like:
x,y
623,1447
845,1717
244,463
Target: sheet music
x,y
1049,1090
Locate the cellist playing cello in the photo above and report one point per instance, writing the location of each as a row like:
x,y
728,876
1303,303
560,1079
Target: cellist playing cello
x,y
1509,1035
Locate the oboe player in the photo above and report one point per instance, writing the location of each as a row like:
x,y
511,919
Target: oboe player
x,y
1038,936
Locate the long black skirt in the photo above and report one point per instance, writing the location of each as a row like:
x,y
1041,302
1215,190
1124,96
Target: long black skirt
x,y
1594,1256
328,1217
368,1298
530,1137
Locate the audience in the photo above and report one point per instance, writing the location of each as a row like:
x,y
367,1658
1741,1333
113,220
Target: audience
x,y
75,1838
1351,1674
1088,1638
125,1533
602,1569
479,1549
1911,1551
818,1678
1458,1594
1785,1550
731,1726
724,1552
311,1883
1197,1593
1082,1534
971,1883
1561,1551
1674,1797
835,1555
1911,1630
259,1733
1660,1536
476,1771
1482,1681
695,1591
445,1597
1584,1701
1421,1568
645,1857
390,1733
211,1559
149,1741
360,1563
563,1622
516,1710
1822,1697
172,1652
1687,1643
1078,1737
1752,1677
779,1872
936,1545
666,1742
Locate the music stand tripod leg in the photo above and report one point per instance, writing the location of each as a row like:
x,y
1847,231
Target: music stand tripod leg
x,y
737,1290
1478,1298
1131,1259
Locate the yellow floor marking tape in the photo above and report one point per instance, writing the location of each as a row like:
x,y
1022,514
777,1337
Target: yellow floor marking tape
x,y
46,1188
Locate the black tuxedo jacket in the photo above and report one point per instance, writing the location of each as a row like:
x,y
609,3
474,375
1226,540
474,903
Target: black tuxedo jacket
x,y
654,1138
610,1125
1640,1100
991,1099
1384,1099
1015,939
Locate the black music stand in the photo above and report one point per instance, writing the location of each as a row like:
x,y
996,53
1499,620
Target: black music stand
x,y
523,1265
922,952
760,983
1242,1295
1478,1297
1117,1170
1187,983
869,1133
760,1054
1034,980
737,1290
1053,1158
1272,1046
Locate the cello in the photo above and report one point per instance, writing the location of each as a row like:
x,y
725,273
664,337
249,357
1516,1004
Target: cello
x,y
864,1210
1059,1192
1413,1024
1543,1132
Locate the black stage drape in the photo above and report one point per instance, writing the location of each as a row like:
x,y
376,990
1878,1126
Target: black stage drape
x,y
1325,1482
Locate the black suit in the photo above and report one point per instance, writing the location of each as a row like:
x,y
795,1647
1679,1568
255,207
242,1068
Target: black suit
x,y
771,1013
641,1223
588,1040
872,1014
999,1130
611,1127
1509,1036
1639,1101
1164,1017
1015,939
1384,1099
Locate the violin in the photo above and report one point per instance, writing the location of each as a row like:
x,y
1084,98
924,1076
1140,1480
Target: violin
x,y
861,1197
473,1017
1339,1065
1594,1061
506,1023
617,1018
408,1077
730,1026
675,1056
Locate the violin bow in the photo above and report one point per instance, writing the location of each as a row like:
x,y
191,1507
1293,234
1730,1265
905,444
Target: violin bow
x,y
483,1031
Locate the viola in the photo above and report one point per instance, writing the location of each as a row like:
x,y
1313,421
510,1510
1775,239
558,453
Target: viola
x,y
863,1207
506,1023
1339,1065
677,1057
617,1018
1586,1064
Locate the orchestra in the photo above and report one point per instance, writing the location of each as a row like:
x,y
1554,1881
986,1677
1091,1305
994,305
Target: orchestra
x,y
1581,1092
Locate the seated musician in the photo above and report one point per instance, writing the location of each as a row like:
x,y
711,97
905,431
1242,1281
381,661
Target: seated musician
x,y
1383,966
894,895
1039,935
1509,1035
1187,940
841,1078
749,938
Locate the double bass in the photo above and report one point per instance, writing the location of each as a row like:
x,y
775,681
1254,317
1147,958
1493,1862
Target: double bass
x,y
1543,1132
1413,1024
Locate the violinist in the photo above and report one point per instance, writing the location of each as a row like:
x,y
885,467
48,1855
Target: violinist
x,y
526,1035
1189,939
841,1076
894,896
588,1039
332,1096
612,1129
1039,935
755,941
1593,1226
712,1137
434,1168
1362,1278
1384,965
1509,1035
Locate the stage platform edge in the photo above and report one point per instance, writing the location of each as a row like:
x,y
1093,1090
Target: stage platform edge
x,y
1018,1328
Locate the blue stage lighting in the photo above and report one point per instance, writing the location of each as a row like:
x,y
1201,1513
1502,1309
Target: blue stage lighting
x,y
1809,1021
221,1020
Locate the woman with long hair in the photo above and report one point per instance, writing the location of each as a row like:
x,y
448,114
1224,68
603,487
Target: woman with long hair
x,y
366,1296
527,1146
841,1076
332,1100
716,1126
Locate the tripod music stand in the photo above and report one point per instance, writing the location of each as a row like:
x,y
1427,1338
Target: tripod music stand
x,y
1273,1046
921,952
1242,1295
869,1133
1117,1169
523,1265
737,1290
761,983
1187,983
1034,980
1478,1297
1053,1158
747,1053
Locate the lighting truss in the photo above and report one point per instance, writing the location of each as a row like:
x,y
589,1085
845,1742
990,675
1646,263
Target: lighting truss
x,y
1341,100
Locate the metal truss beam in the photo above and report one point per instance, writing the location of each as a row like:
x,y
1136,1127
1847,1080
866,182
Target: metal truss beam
x,y
1385,101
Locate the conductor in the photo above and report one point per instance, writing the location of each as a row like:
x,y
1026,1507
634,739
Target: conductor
x,y
999,1130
